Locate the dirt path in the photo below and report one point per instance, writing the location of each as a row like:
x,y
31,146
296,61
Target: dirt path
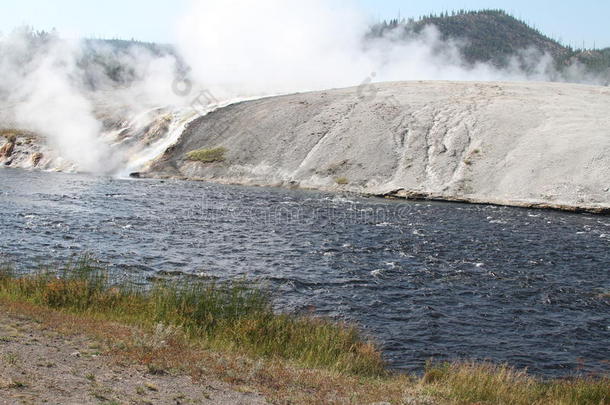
x,y
38,365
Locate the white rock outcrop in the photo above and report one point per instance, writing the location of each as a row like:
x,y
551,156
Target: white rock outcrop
x,y
524,144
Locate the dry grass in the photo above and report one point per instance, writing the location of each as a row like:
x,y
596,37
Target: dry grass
x,y
213,155
11,134
499,384
157,328
281,381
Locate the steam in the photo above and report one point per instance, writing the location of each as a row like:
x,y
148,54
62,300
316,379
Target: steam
x,y
48,103
50,88
243,47
145,79
246,48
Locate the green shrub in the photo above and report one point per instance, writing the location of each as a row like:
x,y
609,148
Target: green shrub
x,y
342,181
207,155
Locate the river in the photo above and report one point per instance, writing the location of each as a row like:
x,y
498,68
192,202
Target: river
x,y
425,280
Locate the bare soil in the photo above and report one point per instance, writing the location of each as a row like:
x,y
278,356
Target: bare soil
x,y
41,366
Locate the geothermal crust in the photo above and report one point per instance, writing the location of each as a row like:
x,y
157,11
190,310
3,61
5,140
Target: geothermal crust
x,y
523,144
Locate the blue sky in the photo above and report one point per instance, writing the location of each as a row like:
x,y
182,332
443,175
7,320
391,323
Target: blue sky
x,y
573,22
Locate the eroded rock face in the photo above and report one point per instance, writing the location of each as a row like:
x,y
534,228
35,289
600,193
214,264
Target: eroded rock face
x,y
7,150
506,143
128,136
28,151
36,158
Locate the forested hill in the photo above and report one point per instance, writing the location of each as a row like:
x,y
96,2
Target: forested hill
x,y
495,36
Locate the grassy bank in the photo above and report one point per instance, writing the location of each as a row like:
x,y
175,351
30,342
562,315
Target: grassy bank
x,y
229,331
232,317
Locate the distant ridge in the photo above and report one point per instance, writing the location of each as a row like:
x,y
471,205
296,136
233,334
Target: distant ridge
x,y
494,36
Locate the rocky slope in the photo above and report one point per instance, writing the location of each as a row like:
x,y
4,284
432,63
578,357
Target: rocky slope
x,y
523,144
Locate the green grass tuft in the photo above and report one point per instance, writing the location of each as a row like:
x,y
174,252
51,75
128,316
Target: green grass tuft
x,y
231,316
207,155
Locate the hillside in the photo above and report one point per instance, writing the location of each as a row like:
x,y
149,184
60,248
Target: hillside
x,y
595,60
495,36
526,144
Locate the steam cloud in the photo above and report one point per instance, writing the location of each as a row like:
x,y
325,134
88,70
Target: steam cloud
x,y
50,88
34,87
235,49
264,47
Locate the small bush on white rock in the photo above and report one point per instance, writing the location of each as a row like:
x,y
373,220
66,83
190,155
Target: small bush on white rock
x,y
207,155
